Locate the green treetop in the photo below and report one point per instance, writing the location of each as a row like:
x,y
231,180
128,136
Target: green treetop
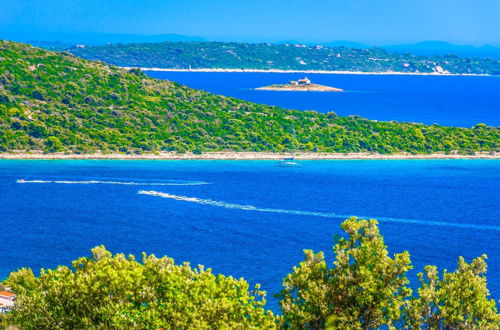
x,y
457,301
110,292
365,288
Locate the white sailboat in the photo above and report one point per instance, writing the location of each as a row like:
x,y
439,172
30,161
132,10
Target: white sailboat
x,y
290,161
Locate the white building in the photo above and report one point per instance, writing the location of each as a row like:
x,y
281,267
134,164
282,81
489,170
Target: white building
x,y
6,301
304,81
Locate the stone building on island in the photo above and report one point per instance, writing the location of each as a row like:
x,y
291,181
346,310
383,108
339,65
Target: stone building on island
x,y
304,81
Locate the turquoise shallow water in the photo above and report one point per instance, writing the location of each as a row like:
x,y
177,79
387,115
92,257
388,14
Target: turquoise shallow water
x,y
247,218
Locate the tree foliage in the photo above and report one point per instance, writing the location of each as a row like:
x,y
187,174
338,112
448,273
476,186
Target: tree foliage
x,y
115,291
364,289
54,101
457,301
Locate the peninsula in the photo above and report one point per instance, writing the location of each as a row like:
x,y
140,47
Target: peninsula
x,y
301,85
54,103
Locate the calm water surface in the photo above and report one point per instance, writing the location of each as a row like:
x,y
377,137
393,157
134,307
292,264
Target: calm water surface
x,y
448,100
436,209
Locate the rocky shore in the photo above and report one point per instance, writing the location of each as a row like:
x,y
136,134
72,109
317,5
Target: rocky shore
x,y
300,88
233,155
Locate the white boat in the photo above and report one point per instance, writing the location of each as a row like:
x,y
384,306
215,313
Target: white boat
x,y
290,161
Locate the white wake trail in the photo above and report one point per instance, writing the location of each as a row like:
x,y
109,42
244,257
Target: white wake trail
x,y
180,183
311,213
237,206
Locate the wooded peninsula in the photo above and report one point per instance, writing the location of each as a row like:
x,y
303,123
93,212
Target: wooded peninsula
x,y
57,102
266,56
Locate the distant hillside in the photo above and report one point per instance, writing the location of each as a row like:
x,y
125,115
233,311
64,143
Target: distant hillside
x,y
50,45
54,101
46,39
264,56
348,44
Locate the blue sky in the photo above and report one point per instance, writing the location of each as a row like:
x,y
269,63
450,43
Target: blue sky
x,y
374,22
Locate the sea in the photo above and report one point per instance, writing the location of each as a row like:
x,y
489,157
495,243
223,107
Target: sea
x,y
462,101
253,219
248,219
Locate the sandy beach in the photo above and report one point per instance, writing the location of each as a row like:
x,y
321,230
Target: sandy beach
x,y
307,71
243,156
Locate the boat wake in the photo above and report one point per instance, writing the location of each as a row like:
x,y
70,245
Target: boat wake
x,y
237,206
172,183
312,213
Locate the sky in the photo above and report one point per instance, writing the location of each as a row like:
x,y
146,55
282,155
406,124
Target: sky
x,y
374,22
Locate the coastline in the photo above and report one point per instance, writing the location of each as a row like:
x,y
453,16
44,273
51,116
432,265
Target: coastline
x,y
228,155
311,72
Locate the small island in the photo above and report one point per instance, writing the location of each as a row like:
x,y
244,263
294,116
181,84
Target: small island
x,y
301,85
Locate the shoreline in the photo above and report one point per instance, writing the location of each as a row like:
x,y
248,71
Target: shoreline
x,y
311,72
244,156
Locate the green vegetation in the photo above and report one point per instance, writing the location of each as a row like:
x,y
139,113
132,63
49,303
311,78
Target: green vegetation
x,y
264,56
365,288
457,301
54,101
107,292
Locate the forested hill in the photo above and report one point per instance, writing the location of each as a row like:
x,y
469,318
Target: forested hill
x,y
230,55
54,101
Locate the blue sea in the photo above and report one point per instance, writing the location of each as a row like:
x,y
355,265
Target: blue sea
x,y
248,219
462,101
